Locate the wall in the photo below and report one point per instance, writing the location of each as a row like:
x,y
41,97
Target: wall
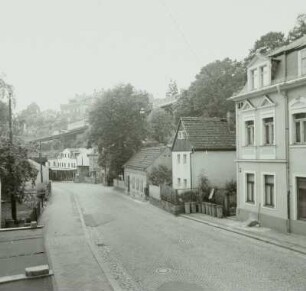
x,y
154,192
181,170
138,182
218,166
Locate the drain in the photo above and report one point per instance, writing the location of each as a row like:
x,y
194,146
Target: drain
x,y
163,270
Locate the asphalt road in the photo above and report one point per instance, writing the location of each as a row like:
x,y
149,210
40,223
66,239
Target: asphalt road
x,y
96,235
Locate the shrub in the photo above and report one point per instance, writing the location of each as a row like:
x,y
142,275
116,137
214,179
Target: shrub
x,y
160,175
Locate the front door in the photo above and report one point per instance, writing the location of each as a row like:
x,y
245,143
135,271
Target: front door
x,y
301,192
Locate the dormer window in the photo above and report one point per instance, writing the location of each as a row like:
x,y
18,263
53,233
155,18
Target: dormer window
x,y
254,79
264,80
302,62
181,134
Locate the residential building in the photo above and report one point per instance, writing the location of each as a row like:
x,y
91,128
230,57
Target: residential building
x,y
271,139
138,168
203,147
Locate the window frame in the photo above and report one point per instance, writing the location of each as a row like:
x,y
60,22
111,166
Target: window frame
x,y
249,202
302,130
184,158
178,158
264,193
247,127
271,126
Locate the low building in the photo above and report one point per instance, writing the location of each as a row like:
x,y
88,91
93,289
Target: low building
x,y
203,147
139,166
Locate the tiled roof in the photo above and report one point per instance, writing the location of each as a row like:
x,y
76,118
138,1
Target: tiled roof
x,y
300,42
145,157
209,133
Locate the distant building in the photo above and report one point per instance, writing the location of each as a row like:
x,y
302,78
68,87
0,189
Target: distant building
x,y
203,147
77,108
139,166
271,139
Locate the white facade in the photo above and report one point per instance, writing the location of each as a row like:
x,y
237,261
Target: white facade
x,y
271,145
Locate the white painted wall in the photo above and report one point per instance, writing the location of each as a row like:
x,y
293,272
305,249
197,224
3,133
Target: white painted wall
x,y
181,170
218,166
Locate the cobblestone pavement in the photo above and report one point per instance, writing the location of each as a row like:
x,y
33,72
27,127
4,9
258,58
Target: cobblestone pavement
x,y
140,247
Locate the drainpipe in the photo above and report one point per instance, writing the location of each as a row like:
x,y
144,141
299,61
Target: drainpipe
x,y
287,136
191,169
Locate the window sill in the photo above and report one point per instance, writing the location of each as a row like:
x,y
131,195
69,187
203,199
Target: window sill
x,y
298,145
268,207
250,203
268,146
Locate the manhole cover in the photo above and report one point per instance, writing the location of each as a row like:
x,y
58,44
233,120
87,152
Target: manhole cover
x,y
163,270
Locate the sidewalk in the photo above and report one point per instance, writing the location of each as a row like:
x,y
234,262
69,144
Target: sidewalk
x,y
293,242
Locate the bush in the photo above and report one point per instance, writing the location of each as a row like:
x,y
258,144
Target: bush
x,y
204,188
160,175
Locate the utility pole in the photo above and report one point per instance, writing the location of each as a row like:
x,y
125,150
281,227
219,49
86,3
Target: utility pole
x,y
40,161
12,179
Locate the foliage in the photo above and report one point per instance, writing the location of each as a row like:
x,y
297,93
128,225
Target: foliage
x,y
189,196
208,94
204,188
160,175
15,169
117,125
160,125
172,90
267,42
299,29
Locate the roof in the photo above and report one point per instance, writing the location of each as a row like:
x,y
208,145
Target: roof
x,y
144,158
291,46
209,133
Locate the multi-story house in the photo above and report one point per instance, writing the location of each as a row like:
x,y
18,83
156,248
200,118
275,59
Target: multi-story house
x,y
271,139
203,147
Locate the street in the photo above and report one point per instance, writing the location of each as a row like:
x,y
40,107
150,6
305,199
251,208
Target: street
x,y
95,235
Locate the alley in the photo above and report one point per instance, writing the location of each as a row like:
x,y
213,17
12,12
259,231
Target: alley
x,y
93,233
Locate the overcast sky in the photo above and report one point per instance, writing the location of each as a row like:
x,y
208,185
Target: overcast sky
x,y
51,50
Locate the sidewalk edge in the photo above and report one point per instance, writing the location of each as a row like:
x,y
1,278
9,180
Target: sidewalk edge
x,y
266,240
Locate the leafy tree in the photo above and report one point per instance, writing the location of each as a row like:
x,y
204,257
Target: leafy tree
x,y
161,127
208,94
299,29
118,126
267,42
172,90
160,175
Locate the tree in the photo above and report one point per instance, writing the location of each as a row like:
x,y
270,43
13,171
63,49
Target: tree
x,y
161,127
299,29
160,175
208,94
118,128
172,90
266,43
15,168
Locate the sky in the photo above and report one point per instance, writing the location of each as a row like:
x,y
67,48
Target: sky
x,y
52,50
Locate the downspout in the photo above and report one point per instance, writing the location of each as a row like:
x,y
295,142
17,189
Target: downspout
x,y
191,169
287,136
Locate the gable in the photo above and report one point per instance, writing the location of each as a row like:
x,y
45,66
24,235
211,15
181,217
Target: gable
x,y
266,102
247,105
181,142
258,60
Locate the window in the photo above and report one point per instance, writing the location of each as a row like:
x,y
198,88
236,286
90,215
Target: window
x,y
184,158
250,181
301,192
300,127
250,132
303,62
254,79
264,81
181,134
185,183
269,190
178,182
268,124
178,158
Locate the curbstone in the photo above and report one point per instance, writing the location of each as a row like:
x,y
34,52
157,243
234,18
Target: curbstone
x,y
37,271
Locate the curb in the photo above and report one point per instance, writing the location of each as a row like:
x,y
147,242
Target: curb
x,y
265,240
